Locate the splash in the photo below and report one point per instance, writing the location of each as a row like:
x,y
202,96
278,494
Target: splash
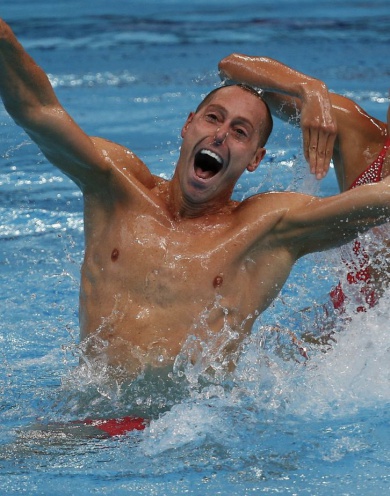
x,y
355,373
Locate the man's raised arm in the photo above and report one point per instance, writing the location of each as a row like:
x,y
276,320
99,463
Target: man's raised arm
x,y
312,224
287,91
30,100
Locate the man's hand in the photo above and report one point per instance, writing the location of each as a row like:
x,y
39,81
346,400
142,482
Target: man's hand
x,y
319,130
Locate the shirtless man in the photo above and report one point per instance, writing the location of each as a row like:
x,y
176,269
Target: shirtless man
x,y
169,259
333,127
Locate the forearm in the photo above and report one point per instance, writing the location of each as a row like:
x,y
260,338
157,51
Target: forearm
x,y
270,75
24,87
30,100
300,96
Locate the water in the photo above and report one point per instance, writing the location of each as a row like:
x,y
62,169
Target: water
x,y
131,72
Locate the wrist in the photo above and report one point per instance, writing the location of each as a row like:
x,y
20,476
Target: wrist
x,y
312,88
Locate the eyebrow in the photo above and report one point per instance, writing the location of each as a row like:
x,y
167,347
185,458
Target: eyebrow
x,y
222,109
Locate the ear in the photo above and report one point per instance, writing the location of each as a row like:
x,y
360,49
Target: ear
x,y
257,158
187,123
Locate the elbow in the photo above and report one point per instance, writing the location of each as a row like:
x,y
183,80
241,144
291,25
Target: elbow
x,y
6,33
21,115
243,68
228,60
28,117
242,59
3,29
228,63
14,111
224,64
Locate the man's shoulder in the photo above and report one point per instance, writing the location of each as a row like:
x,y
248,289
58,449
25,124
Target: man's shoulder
x,y
111,149
270,200
269,207
124,163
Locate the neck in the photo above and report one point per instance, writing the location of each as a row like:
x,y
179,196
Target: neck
x,y
182,208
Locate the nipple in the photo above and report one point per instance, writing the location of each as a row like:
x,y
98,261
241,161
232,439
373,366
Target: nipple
x,y
218,280
114,255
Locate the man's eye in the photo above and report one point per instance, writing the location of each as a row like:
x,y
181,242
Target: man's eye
x,y
241,132
212,117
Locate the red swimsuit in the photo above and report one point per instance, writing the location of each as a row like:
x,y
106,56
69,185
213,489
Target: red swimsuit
x,y
359,268
116,426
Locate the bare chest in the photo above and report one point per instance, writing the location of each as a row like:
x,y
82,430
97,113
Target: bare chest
x,y
164,263
151,283
160,264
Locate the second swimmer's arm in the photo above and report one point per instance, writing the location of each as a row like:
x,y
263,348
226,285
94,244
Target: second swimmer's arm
x,y
295,90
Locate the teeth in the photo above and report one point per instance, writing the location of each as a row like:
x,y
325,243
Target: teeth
x,y
212,154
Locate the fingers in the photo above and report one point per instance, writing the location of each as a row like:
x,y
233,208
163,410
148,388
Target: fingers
x,y
319,129
325,151
318,150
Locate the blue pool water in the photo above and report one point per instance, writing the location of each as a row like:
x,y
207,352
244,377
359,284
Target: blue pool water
x,y
131,72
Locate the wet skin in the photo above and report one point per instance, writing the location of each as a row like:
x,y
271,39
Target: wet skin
x,y
165,260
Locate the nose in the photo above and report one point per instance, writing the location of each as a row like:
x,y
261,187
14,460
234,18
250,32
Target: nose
x,y
220,136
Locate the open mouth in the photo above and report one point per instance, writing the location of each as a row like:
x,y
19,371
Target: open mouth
x,y
207,164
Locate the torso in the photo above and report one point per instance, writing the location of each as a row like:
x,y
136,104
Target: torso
x,y
358,149
149,281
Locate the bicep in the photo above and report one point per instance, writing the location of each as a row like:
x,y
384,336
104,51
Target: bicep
x,y
314,224
354,125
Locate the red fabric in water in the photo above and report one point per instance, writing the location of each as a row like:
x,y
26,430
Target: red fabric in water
x,y
119,426
360,272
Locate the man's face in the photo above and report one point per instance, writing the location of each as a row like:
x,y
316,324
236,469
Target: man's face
x,y
220,141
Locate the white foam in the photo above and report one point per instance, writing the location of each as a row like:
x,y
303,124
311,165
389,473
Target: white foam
x,y
355,372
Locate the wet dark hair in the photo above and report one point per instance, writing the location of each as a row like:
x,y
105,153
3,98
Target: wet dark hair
x,y
267,124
